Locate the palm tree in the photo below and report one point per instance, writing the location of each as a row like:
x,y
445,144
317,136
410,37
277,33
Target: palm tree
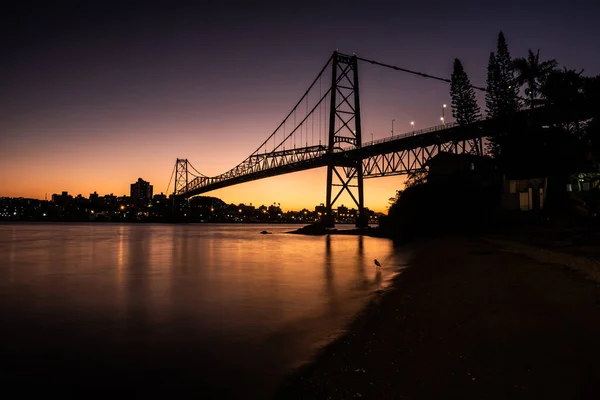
x,y
563,86
534,73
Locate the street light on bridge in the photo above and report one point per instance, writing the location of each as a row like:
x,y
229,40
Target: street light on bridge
x,y
443,116
393,127
412,124
371,137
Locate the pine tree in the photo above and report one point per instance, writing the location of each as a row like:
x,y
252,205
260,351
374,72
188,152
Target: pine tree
x,y
502,97
491,95
464,103
491,102
507,89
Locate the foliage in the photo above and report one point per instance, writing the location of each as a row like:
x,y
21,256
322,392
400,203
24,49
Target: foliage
x,y
507,90
491,94
534,74
441,207
502,96
413,179
416,178
464,103
563,86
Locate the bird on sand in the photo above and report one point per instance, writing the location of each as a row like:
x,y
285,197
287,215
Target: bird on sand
x,y
377,262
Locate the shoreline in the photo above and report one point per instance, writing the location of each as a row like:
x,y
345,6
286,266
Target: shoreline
x,y
492,320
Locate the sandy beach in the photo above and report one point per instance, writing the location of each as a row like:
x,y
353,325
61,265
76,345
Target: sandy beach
x,y
491,317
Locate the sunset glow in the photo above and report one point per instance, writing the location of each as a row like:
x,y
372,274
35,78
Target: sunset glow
x,y
122,99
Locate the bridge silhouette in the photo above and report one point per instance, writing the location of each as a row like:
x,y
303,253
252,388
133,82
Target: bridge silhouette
x,y
324,129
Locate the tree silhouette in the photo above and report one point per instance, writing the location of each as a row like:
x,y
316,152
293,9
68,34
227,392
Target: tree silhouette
x,y
506,85
464,103
563,86
491,94
533,73
502,96
491,103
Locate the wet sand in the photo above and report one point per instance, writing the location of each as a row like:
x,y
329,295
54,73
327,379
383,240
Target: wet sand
x,y
471,318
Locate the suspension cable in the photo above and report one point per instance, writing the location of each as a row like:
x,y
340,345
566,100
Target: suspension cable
x,y
299,102
172,173
421,74
306,129
305,118
199,173
320,108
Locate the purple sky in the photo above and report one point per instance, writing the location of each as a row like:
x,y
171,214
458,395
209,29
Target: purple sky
x,y
94,97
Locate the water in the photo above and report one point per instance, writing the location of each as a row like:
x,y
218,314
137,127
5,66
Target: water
x,y
206,308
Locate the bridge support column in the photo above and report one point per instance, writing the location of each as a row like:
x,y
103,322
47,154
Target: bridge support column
x,y
344,127
181,183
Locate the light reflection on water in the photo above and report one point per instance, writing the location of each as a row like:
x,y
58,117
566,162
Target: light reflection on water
x,y
189,305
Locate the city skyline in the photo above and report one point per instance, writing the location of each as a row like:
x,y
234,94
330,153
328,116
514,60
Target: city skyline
x,y
96,97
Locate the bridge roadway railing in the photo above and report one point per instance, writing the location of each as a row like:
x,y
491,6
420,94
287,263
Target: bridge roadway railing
x,y
411,133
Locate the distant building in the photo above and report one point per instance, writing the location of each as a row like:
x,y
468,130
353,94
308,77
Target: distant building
x,y
159,198
110,200
94,196
141,190
342,211
61,199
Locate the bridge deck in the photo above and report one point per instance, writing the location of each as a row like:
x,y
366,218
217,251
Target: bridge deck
x,y
259,166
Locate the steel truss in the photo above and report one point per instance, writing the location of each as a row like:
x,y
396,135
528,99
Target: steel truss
x,y
254,164
407,161
344,127
181,176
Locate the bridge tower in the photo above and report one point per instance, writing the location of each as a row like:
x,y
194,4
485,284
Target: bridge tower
x,y
181,180
344,173
181,175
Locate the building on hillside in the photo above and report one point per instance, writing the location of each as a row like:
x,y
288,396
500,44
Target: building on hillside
x,y
523,192
141,190
446,166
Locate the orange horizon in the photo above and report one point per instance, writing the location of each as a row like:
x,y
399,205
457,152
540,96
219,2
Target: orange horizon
x,y
293,192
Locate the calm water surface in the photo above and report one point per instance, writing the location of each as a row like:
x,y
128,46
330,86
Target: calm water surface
x,y
204,307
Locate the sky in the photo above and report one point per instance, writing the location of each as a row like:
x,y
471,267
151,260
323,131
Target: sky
x,y
95,96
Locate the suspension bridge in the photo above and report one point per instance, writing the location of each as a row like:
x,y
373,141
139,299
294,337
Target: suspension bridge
x,y
324,129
